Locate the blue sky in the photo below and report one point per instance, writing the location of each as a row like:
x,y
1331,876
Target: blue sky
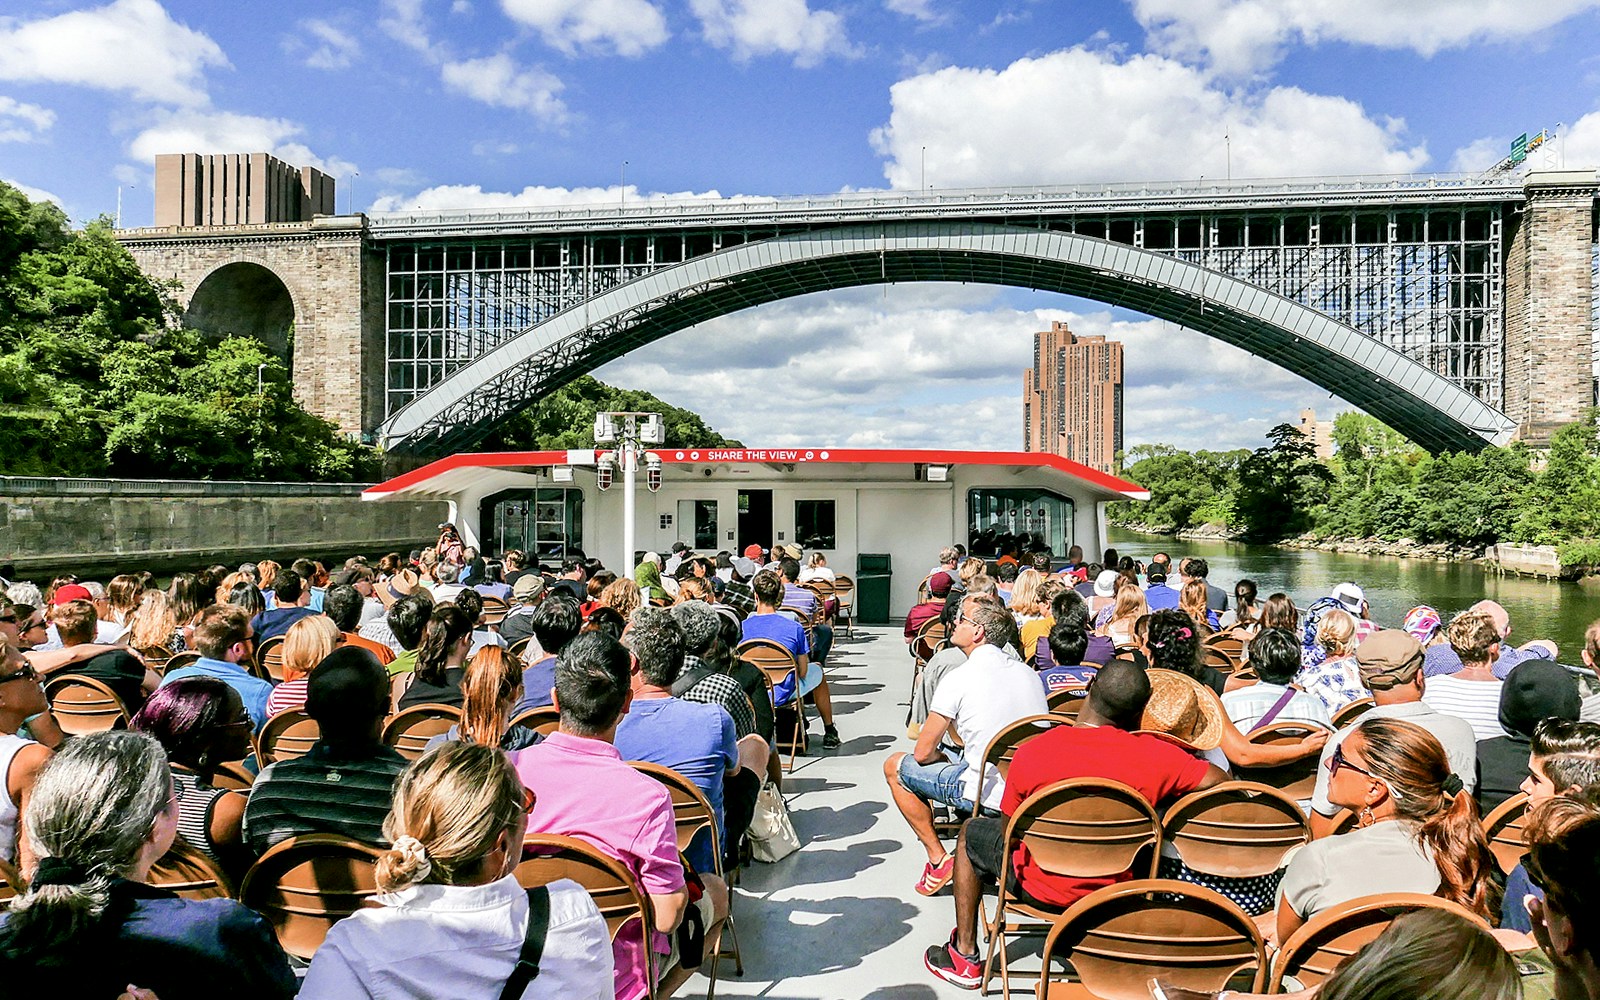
x,y
479,102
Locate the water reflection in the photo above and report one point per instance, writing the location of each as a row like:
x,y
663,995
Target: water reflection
x,y
1539,610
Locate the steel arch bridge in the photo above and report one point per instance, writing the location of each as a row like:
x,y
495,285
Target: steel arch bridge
x,y
462,406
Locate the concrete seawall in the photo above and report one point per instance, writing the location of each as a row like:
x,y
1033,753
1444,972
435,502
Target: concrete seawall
x,y
95,525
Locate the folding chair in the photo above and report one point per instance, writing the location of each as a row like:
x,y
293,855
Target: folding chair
x,y
187,871
777,662
1005,744
1503,827
409,731
305,885
543,720
1120,937
155,657
12,885
519,647
270,656
1353,711
84,705
693,816
494,610
1067,702
1327,939
187,658
844,591
286,736
932,636
1223,651
1237,829
1077,828
1296,779
233,775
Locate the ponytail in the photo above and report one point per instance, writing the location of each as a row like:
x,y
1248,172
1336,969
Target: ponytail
x,y
1454,835
450,806
493,676
444,629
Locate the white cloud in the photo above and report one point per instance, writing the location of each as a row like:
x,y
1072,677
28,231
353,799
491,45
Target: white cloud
x,y
402,20
34,193
127,45
750,28
229,132
461,196
497,81
1580,146
1246,36
1575,147
933,365
23,122
1082,116
922,10
324,45
626,27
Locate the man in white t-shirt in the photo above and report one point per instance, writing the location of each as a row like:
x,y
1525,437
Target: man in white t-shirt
x,y
976,700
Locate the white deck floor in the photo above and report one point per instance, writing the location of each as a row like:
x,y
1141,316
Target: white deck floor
x,y
839,920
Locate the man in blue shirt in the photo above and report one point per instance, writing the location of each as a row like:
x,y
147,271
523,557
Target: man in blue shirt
x,y
554,622
224,638
1158,595
292,600
768,623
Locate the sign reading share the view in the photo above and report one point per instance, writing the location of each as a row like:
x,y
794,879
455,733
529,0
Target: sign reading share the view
x,y
751,455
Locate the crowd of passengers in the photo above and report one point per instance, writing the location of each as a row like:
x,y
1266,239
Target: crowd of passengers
x,y
638,667
1440,722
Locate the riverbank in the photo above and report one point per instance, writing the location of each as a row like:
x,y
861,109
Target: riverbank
x,y
1403,548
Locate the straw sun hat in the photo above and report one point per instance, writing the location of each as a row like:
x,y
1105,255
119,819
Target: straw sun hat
x,y
1182,707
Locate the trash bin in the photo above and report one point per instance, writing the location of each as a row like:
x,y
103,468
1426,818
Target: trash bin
x,y
872,588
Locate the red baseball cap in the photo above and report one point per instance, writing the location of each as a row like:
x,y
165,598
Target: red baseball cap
x,y
754,552
70,592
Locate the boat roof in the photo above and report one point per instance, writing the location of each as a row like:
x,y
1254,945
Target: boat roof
x,y
449,477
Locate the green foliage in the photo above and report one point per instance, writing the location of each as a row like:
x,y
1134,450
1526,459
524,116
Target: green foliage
x,y
1379,484
1579,553
565,419
96,380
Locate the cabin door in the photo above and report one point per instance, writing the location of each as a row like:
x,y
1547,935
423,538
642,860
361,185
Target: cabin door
x,y
755,519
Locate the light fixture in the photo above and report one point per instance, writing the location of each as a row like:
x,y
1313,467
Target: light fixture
x,y
652,471
938,473
561,473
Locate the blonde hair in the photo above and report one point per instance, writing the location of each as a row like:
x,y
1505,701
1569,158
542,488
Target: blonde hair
x,y
1130,603
153,623
307,643
492,678
267,571
1335,632
694,588
622,595
450,805
1025,591
1471,636
225,588
971,567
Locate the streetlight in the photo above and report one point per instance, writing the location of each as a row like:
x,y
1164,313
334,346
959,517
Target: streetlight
x,y
629,431
261,371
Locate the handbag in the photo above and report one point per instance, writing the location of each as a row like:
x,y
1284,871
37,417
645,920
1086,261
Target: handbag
x,y
772,836
691,934
527,968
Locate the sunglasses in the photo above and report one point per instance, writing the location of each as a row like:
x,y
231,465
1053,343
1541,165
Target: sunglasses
x,y
1339,760
529,800
27,673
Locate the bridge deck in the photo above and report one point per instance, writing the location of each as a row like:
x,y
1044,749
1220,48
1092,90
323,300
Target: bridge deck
x,y
838,920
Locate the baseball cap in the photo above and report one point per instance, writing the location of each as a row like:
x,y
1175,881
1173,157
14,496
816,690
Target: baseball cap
x,y
754,551
528,586
939,584
1349,596
1388,658
1105,585
746,567
71,592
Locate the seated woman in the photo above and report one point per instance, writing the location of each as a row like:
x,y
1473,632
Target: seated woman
x,y
102,813
1128,608
1419,829
441,659
306,644
1174,644
201,723
490,691
453,918
1192,601
1334,680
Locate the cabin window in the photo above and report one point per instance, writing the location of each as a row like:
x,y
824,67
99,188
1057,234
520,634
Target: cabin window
x,y
814,524
1029,518
547,524
700,518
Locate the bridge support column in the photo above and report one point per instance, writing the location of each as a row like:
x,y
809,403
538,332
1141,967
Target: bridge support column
x,y
339,349
1549,294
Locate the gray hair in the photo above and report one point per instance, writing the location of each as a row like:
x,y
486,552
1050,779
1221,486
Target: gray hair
x,y
700,625
93,807
657,643
26,592
96,589
986,611
447,572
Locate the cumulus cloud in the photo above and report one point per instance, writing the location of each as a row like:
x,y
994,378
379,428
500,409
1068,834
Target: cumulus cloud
x,y
127,45
323,45
626,27
1575,146
458,196
23,122
1080,115
34,193
230,132
921,10
499,82
941,366
750,28
402,21
1238,37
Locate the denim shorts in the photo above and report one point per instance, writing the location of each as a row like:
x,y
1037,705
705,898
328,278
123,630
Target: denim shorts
x,y
936,782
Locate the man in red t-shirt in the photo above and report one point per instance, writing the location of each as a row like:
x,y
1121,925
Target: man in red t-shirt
x,y
1102,744
939,585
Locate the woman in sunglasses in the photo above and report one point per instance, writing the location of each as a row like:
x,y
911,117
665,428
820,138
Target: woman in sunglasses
x,y
453,920
1418,829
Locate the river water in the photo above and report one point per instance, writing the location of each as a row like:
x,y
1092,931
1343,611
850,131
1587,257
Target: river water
x,y
1538,609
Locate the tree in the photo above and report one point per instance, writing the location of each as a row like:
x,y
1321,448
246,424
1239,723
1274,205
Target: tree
x,y
565,419
1279,484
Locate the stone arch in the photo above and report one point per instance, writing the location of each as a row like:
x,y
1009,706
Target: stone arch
x,y
461,408
245,298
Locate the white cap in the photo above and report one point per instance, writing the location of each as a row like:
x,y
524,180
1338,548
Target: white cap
x,y
1105,585
1350,596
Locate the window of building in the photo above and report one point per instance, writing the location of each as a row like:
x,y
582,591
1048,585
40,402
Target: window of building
x,y
546,523
814,526
700,518
1030,515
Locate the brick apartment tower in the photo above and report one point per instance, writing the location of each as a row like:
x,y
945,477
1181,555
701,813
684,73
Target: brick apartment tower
x,y
232,189
1072,397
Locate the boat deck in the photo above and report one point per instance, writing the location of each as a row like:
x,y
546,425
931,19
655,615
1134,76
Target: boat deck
x,y
838,919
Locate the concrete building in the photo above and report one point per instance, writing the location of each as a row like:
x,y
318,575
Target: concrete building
x,y
234,189
1072,397
1318,432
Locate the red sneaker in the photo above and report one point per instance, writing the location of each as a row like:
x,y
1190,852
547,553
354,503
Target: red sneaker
x,y
936,877
944,961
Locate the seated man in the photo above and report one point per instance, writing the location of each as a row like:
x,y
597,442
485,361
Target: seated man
x,y
344,783
1536,689
987,692
1068,641
342,604
528,593
768,623
1101,744
293,600
737,594
1157,594
693,738
804,600
224,639
1275,658
1563,759
407,617
118,669
28,733
584,790
1442,659
939,585
554,622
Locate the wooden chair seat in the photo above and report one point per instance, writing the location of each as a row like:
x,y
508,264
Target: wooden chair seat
x,y
1327,939
409,731
84,705
1296,779
270,656
1503,827
305,885
286,736
1237,829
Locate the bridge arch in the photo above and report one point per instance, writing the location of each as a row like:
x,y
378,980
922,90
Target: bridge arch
x,y
246,298
461,408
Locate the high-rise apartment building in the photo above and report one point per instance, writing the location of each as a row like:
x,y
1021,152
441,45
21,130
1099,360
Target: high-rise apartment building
x,y
1072,397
